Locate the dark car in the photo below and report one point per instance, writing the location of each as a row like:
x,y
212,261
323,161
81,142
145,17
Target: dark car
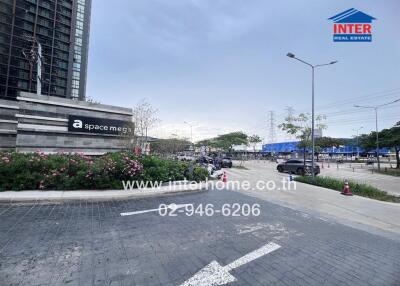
x,y
205,159
296,166
226,162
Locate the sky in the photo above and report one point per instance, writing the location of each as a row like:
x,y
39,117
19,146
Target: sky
x,y
221,65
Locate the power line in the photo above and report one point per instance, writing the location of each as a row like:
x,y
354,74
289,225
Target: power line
x,y
359,120
352,111
369,96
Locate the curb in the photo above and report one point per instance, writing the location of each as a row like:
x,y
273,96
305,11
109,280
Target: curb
x,y
93,195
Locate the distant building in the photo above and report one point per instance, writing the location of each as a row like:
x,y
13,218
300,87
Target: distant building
x,y
62,29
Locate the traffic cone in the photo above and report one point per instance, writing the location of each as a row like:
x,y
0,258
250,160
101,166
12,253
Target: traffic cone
x,y
346,189
225,178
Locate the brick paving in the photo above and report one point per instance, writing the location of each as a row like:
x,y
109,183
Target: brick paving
x,y
89,243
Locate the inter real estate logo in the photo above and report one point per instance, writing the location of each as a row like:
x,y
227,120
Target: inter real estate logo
x,y
352,26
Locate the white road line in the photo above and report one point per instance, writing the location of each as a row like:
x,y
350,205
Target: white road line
x,y
171,207
140,212
214,274
253,255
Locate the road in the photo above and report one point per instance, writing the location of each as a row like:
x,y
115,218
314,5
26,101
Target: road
x,y
90,243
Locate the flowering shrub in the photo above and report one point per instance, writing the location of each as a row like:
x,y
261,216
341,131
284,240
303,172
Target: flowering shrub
x,y
32,171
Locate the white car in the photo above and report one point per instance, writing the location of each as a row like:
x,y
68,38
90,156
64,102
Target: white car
x,y
212,171
184,157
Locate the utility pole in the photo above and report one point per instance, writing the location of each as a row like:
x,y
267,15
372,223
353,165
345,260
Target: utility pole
x,y
271,123
375,108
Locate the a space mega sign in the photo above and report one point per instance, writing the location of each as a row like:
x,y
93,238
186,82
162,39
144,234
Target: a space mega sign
x,y
98,125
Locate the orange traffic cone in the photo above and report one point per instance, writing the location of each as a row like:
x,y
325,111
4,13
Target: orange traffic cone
x,y
346,189
225,178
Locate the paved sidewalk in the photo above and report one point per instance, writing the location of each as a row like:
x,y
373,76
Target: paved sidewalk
x,y
355,211
98,195
363,174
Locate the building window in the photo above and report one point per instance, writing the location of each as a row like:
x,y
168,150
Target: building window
x,y
76,75
75,93
78,41
79,25
75,83
77,58
80,16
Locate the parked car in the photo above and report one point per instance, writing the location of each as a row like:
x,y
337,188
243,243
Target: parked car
x,y
226,162
296,166
205,159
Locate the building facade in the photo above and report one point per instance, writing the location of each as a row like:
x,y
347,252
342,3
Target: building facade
x,y
61,29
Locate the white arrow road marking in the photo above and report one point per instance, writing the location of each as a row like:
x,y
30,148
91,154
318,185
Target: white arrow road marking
x,y
214,274
172,207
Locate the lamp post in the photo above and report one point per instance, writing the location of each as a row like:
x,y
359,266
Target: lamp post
x,y
357,130
375,108
313,67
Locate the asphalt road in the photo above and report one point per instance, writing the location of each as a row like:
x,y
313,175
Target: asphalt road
x,y
90,243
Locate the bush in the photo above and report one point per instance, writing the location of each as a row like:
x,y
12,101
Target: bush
x,y
33,171
360,189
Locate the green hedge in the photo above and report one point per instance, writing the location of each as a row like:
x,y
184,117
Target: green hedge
x,y
32,171
356,188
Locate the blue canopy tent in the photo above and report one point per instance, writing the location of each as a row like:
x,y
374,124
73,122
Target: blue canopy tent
x,y
292,147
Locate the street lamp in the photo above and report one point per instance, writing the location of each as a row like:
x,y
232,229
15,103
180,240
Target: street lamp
x,y
357,130
290,55
376,107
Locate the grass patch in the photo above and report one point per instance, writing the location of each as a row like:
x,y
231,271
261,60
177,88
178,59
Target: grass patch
x,y
359,189
389,172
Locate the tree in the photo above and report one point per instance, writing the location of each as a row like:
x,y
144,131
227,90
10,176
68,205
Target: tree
x,y
300,127
144,117
391,138
387,138
169,146
254,139
225,141
326,142
128,138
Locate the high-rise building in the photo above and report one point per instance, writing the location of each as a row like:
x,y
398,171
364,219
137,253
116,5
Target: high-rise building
x,y
61,29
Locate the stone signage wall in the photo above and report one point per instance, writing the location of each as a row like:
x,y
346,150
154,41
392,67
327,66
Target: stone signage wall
x,y
41,123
